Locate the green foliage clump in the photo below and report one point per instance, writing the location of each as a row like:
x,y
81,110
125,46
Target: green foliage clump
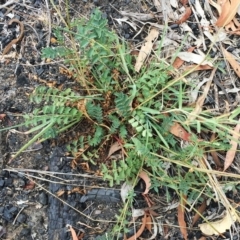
x,y
141,111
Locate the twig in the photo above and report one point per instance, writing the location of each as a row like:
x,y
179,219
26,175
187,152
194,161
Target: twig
x,y
8,3
49,24
199,25
17,215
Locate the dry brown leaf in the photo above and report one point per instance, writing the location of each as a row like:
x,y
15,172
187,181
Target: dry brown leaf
x,y
200,210
232,151
60,192
195,67
146,48
186,16
177,130
143,175
53,40
141,229
220,226
195,58
149,223
181,221
229,10
178,62
231,59
73,233
30,185
114,148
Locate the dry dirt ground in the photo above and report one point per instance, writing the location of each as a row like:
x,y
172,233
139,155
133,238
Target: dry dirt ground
x,y
29,207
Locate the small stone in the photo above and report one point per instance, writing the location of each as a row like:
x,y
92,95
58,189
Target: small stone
x,y
22,218
22,80
7,215
8,182
2,183
43,198
97,212
25,232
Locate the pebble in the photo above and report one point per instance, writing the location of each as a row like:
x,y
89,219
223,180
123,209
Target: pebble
x,y
43,198
25,232
2,183
22,217
8,182
22,80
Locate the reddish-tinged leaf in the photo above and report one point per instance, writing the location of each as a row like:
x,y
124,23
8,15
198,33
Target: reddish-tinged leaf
x,y
30,185
201,209
143,175
2,116
141,229
229,10
149,223
150,204
181,221
231,59
232,151
74,235
114,148
180,132
178,62
196,67
186,16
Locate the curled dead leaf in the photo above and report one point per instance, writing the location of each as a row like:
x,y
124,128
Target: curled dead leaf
x,y
114,148
140,230
186,16
143,175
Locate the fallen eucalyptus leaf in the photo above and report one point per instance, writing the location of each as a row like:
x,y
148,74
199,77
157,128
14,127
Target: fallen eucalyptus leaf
x,y
146,48
220,226
195,58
